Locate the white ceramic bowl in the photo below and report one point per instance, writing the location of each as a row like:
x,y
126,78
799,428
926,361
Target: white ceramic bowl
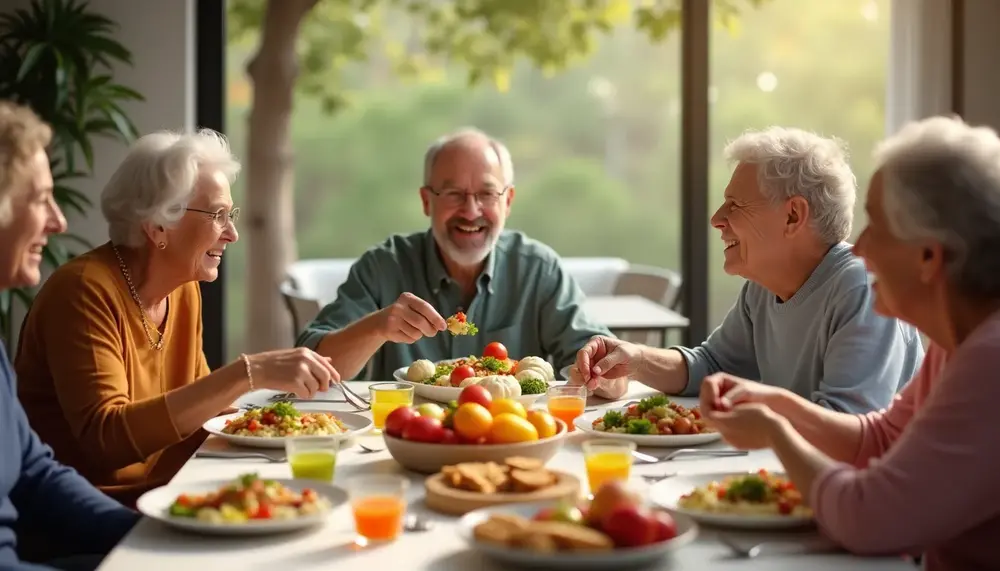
x,y
430,458
645,557
447,394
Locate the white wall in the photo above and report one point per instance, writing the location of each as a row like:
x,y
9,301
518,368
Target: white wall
x,y
160,35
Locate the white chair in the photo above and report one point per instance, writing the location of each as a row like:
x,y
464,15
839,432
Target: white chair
x,y
319,278
595,276
302,308
660,285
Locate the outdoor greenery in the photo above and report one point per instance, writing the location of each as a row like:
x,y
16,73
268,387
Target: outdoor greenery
x,y
54,58
595,147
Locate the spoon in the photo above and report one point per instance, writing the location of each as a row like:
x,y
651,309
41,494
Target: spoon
x,y
369,449
751,550
240,455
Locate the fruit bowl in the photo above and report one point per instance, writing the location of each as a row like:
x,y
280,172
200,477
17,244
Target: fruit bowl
x,y
427,458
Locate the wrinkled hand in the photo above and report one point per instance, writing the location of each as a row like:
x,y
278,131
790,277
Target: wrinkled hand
x,y
301,371
611,389
721,392
409,319
748,426
607,358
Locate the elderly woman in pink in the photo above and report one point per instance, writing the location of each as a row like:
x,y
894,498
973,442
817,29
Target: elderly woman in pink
x,y
922,475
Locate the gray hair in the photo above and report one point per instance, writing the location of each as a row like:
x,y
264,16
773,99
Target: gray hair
x,y
157,178
941,180
503,155
793,162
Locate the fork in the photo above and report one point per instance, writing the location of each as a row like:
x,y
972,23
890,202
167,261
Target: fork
x,y
650,459
277,459
790,547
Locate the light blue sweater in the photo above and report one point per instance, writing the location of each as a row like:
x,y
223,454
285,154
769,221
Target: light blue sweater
x,y
826,343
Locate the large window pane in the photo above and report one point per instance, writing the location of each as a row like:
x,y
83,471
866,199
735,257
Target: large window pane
x,y
595,154
814,64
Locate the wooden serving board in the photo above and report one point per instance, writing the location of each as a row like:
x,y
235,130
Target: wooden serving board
x,y
442,498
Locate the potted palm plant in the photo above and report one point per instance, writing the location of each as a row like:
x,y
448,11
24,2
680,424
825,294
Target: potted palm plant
x,y
56,57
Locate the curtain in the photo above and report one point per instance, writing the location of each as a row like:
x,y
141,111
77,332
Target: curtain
x,y
920,58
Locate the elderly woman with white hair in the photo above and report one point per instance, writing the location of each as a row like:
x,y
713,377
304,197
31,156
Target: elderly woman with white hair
x,y
804,320
922,475
112,372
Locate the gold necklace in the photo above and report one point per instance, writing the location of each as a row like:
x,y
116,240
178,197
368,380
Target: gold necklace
x,y
135,296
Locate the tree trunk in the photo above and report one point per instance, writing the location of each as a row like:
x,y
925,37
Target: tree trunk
x,y
269,173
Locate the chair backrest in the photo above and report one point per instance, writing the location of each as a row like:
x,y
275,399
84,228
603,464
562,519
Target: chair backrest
x,y
655,284
595,276
302,308
319,279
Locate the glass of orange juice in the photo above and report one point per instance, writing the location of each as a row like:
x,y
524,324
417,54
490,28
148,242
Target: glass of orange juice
x,y
378,502
387,397
567,402
607,460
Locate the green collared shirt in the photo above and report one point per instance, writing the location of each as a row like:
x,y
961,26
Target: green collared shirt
x,y
524,299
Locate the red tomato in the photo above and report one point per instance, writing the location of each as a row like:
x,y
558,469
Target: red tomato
x,y
784,507
460,317
496,350
263,512
424,429
397,420
665,526
253,425
269,418
477,394
459,374
450,437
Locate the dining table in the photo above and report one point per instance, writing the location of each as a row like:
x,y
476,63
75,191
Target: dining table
x,y
634,314
153,546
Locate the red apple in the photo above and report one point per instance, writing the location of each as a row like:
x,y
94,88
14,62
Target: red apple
x,y
629,526
397,420
610,495
449,437
424,429
477,394
664,526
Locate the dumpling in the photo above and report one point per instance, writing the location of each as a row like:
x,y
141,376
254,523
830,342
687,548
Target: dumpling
x,y
529,374
543,367
443,381
467,381
420,371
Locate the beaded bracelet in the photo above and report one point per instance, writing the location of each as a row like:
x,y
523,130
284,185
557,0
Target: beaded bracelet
x,y
246,363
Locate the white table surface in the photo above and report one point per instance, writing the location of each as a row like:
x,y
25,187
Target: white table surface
x,y
632,312
152,546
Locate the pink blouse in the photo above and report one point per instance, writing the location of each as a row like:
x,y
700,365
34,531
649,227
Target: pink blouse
x,y
927,473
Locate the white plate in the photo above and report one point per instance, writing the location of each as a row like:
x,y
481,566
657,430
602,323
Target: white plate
x,y
614,560
564,372
355,422
668,492
446,394
585,423
155,504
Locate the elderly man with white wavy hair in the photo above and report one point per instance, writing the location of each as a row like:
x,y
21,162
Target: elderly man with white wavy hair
x,y
804,320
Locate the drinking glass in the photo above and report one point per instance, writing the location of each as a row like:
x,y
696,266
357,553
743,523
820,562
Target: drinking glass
x,y
567,402
387,397
312,457
378,502
607,460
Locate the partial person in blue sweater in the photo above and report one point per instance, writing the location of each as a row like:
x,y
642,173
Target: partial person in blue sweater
x,y
37,494
804,320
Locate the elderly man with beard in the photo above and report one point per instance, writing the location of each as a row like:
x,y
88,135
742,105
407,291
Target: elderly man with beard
x,y
391,310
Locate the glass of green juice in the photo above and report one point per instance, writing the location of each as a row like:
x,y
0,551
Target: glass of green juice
x,y
387,397
313,457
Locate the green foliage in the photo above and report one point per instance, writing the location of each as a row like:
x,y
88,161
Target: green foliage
x,y
54,57
486,37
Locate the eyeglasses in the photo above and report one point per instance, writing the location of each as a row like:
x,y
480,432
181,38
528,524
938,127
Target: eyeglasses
x,y
454,197
220,217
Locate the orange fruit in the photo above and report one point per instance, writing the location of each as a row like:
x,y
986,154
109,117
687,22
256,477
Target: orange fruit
x,y
510,406
543,422
472,421
509,428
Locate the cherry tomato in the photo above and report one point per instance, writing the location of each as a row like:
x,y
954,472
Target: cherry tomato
x,y
721,493
253,425
269,418
460,317
496,350
682,426
459,374
263,511
784,507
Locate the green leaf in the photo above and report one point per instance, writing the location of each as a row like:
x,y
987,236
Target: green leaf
x,y
30,60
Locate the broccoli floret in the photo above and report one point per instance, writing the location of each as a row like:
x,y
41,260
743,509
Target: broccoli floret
x,y
649,403
532,386
613,419
640,426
